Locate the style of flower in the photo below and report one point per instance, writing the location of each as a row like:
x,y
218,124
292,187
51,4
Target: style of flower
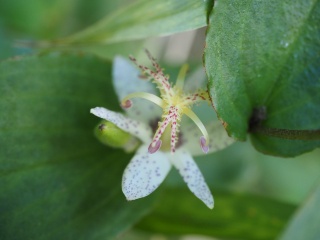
x,y
163,143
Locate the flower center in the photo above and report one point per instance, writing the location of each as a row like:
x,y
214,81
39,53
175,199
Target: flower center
x,y
174,103
166,136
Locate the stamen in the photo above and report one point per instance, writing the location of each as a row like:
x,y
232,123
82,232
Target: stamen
x,y
182,76
160,130
154,146
200,125
174,119
154,62
126,104
173,136
201,95
144,77
203,144
148,96
158,77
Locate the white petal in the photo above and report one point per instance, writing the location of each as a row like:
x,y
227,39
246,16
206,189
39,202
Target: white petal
x,y
136,128
191,174
144,173
218,138
126,80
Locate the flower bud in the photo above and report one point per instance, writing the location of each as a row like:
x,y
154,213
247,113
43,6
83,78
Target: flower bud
x,y
112,136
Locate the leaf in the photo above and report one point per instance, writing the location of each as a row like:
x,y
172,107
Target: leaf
x,y
233,216
57,180
263,55
142,19
209,7
108,51
305,222
86,12
35,17
6,49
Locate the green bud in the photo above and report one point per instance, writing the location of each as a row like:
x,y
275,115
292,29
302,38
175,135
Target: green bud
x,y
112,136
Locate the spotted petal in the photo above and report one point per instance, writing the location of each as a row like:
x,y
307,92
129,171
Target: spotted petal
x,y
218,138
126,80
136,128
191,174
144,173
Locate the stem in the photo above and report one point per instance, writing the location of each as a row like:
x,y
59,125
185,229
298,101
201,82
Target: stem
x,y
288,134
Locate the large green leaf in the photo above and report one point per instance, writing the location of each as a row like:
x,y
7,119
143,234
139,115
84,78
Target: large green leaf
x,y
51,19
57,181
233,216
305,223
36,17
6,49
86,12
262,60
141,19
107,51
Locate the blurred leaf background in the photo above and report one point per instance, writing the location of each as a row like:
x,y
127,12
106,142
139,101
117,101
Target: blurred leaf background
x,y
58,182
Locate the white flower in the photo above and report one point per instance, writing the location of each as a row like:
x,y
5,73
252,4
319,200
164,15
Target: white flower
x,y
168,146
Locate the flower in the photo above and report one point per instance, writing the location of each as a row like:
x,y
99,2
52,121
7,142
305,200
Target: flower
x,y
163,145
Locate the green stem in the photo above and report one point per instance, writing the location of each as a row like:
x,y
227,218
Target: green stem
x,y
288,134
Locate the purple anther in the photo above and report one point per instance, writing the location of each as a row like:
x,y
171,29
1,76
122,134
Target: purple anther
x,y
126,104
153,149
203,144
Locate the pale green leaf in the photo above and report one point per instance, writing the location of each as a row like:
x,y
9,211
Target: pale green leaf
x,y
142,19
305,222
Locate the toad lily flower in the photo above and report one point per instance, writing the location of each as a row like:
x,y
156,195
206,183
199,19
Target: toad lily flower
x,y
163,143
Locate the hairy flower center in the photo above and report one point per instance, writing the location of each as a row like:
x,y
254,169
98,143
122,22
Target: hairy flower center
x,y
166,136
174,103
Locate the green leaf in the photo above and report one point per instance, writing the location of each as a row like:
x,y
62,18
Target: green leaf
x,y
209,7
142,19
6,50
233,216
35,17
305,223
86,12
264,55
57,180
108,51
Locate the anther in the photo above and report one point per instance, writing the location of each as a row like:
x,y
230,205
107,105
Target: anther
x,y
203,144
126,104
154,147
